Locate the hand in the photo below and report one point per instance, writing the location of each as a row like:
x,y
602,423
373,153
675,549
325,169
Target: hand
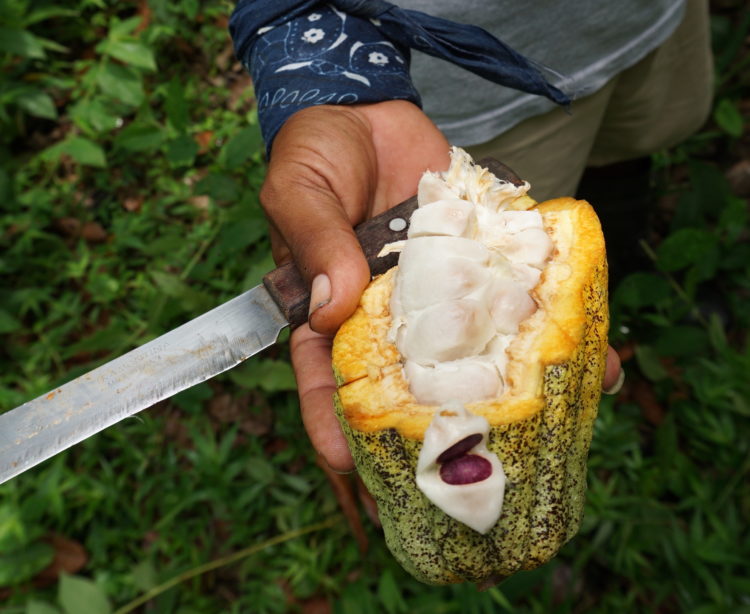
x,y
332,168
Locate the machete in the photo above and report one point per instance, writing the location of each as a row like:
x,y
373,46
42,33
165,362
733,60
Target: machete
x,y
192,353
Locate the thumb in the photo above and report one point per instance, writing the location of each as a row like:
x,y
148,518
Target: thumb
x,y
336,267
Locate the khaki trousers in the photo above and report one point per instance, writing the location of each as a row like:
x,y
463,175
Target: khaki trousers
x,y
655,104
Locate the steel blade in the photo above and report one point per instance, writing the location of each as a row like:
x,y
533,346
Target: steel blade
x,y
183,357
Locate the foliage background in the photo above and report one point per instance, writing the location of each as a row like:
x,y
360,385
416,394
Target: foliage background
x,y
130,165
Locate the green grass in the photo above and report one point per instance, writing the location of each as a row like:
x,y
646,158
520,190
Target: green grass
x,y
131,162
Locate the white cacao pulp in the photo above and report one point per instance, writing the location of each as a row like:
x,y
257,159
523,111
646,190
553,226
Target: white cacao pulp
x,y
475,502
463,282
462,289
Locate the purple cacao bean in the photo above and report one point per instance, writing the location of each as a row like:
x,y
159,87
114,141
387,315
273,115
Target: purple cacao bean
x,y
460,448
466,469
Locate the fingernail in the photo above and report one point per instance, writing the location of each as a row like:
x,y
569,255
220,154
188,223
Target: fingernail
x,y
320,293
618,384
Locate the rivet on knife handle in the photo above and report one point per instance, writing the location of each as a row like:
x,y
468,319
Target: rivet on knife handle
x,y
289,290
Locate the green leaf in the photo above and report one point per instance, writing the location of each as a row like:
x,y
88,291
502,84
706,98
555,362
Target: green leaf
x,y
12,530
269,375
121,83
171,285
131,52
190,7
260,470
679,340
241,147
390,594
51,45
40,607
686,247
649,363
182,151
86,152
121,28
102,287
8,323
81,149
191,400
20,42
82,596
175,105
23,564
144,575
729,118
257,270
641,290
141,137
94,116
48,12
6,185
734,218
100,340
706,198
38,104
238,234
174,287
219,187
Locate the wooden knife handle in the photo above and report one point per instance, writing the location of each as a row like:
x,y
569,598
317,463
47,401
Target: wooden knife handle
x,y
287,287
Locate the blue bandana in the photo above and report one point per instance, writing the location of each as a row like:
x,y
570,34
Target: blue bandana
x,y
302,53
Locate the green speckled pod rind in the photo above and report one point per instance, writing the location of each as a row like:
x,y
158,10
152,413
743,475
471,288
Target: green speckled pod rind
x,y
544,459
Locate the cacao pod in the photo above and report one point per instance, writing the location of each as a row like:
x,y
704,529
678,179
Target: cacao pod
x,y
540,412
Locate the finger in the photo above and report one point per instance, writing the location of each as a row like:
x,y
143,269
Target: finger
x,y
614,376
319,185
311,359
329,257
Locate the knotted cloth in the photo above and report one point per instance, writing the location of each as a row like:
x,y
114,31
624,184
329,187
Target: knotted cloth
x,y
305,52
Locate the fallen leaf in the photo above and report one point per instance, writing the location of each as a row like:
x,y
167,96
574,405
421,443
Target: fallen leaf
x,y
145,13
70,558
565,583
224,57
626,351
643,394
132,203
94,232
220,407
275,446
200,202
149,539
204,140
738,177
315,605
257,421
248,411
176,430
69,226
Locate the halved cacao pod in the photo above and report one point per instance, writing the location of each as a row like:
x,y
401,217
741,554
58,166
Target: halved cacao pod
x,y
540,425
